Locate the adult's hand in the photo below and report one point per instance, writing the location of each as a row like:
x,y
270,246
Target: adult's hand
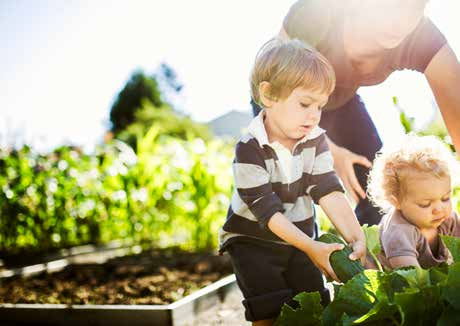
x,y
344,160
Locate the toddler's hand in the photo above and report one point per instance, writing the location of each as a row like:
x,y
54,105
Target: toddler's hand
x,y
319,254
359,251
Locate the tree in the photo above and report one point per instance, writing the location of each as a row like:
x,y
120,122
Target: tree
x,y
139,88
145,101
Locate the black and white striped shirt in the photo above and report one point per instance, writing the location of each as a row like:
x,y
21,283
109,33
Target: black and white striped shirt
x,y
262,187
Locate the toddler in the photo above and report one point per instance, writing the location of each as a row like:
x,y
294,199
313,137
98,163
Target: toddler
x,y
413,184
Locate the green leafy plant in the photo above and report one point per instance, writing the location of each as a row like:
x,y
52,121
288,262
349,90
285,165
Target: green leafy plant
x,y
308,313
171,192
408,296
373,243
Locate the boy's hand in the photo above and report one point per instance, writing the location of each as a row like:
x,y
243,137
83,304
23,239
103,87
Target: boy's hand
x,y
319,254
359,251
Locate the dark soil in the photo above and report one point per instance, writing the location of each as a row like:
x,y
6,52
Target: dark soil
x,y
151,277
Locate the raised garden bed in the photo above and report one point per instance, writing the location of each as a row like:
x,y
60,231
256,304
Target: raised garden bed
x,y
28,264
155,287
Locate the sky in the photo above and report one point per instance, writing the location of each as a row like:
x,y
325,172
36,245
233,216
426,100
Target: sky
x,y
63,62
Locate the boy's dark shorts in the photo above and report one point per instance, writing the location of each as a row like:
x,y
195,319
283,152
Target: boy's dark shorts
x,y
271,274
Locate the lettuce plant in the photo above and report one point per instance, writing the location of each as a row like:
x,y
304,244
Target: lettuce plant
x,y
408,296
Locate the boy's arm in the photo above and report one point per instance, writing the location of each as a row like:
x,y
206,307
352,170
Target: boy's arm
x,y
326,190
339,211
317,251
403,261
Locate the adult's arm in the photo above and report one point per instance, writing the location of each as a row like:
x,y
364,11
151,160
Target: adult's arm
x,y
443,75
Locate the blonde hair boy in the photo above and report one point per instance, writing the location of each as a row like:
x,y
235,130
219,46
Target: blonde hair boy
x,y
282,166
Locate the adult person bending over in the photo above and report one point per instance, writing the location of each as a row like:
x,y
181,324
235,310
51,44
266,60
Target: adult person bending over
x,y
365,41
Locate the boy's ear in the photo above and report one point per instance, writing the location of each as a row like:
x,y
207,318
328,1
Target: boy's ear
x,y
265,94
394,201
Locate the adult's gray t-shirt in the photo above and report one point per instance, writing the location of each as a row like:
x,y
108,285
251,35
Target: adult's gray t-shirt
x,y
320,24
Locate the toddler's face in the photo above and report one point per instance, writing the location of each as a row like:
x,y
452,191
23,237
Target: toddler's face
x,y
297,115
427,200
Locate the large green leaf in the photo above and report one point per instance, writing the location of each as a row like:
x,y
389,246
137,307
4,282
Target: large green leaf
x,y
373,242
419,306
451,292
308,314
438,274
383,311
453,244
355,298
449,317
415,276
390,283
372,238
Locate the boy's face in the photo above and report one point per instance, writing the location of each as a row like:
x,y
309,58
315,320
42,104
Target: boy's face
x,y
295,116
427,200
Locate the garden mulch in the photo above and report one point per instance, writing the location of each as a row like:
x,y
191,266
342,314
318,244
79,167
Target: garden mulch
x,y
152,277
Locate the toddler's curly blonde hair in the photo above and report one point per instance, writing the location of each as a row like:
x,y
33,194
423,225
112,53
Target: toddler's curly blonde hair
x,y
393,168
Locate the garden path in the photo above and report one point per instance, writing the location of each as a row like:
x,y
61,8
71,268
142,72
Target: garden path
x,y
228,313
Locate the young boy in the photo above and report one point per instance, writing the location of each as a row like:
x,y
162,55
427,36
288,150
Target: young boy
x,y
281,167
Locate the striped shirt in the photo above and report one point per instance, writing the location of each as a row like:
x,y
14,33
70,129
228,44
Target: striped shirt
x,y
263,186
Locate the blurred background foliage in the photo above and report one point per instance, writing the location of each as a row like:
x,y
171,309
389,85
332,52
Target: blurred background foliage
x,y
159,179
139,88
166,120
172,192
144,101
436,127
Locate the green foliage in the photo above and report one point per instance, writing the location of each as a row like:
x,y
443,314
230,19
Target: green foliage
x,y
409,296
373,242
308,313
372,238
173,192
167,122
453,245
436,127
406,121
325,224
141,105
139,88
